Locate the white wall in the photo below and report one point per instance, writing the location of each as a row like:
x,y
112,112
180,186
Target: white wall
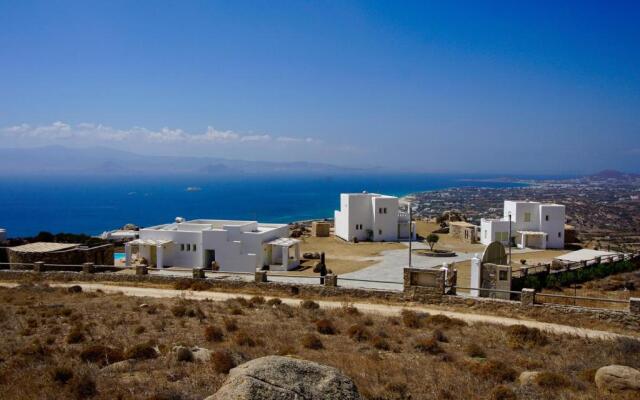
x,y
360,213
490,227
3,235
385,225
554,227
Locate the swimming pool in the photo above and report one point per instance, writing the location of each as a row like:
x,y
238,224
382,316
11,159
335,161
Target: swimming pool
x,y
119,257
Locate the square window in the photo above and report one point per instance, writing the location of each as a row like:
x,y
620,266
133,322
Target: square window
x,y
385,210
188,247
502,275
194,247
181,246
379,231
559,234
546,217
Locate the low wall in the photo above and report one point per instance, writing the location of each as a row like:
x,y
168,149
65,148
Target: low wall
x,y
99,255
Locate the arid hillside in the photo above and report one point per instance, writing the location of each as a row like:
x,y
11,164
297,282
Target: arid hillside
x,y
60,343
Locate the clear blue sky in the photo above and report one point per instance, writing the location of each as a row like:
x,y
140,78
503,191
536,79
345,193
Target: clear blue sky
x,y
543,87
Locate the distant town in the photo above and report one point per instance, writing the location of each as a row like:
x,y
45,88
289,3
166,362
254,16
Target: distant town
x,y
603,208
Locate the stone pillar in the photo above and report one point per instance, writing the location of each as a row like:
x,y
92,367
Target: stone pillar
x,y
127,253
331,280
285,257
198,273
406,278
475,282
87,268
159,256
261,276
39,266
528,297
142,270
634,305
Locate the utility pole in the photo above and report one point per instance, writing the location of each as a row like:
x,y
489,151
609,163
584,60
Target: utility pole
x,y
509,240
410,232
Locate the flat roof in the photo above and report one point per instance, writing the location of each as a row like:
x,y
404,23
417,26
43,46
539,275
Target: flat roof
x,y
585,255
43,247
209,224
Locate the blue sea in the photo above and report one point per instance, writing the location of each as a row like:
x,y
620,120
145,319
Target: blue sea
x,y
92,205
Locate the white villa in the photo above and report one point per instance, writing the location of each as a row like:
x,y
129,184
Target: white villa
x,y
533,225
371,216
236,246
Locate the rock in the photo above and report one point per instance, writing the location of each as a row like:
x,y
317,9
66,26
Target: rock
x,y
120,366
528,378
195,353
284,378
618,378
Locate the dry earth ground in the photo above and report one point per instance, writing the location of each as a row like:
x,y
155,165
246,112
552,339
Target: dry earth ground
x,y
51,336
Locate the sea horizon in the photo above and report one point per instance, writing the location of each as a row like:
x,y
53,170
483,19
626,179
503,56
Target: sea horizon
x,y
97,204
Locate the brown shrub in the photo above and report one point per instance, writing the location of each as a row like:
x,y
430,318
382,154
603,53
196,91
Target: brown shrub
x,y
358,332
380,343
474,350
179,310
523,336
494,370
427,345
502,392
230,324
311,341
139,330
213,334
222,361
84,386
242,338
588,375
61,374
102,355
257,300
411,319
75,335
325,327
439,336
444,322
398,390
236,311
141,351
551,380
309,305
274,302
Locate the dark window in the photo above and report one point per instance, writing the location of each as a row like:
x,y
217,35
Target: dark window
x,y
546,217
194,247
559,234
503,275
188,247
379,231
181,246
385,210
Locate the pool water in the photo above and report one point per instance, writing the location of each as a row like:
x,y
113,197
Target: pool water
x,y
119,256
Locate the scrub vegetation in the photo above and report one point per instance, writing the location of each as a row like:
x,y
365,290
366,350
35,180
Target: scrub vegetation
x,y
58,344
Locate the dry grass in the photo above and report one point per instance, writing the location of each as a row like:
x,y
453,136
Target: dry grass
x,y
401,362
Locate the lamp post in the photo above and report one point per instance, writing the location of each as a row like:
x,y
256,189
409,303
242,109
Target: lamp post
x,y
509,239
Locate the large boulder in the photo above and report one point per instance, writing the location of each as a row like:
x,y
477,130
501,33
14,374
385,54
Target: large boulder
x,y
618,378
284,378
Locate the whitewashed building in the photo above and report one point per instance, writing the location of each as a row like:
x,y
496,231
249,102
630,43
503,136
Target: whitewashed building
x,y
3,235
372,216
237,246
533,225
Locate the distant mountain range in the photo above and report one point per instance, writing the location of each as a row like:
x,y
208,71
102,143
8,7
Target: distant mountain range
x,y
59,160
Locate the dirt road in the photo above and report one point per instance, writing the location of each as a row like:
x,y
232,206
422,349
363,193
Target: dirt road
x,y
381,309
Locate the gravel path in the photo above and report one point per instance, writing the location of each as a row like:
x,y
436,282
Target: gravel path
x,y
382,309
